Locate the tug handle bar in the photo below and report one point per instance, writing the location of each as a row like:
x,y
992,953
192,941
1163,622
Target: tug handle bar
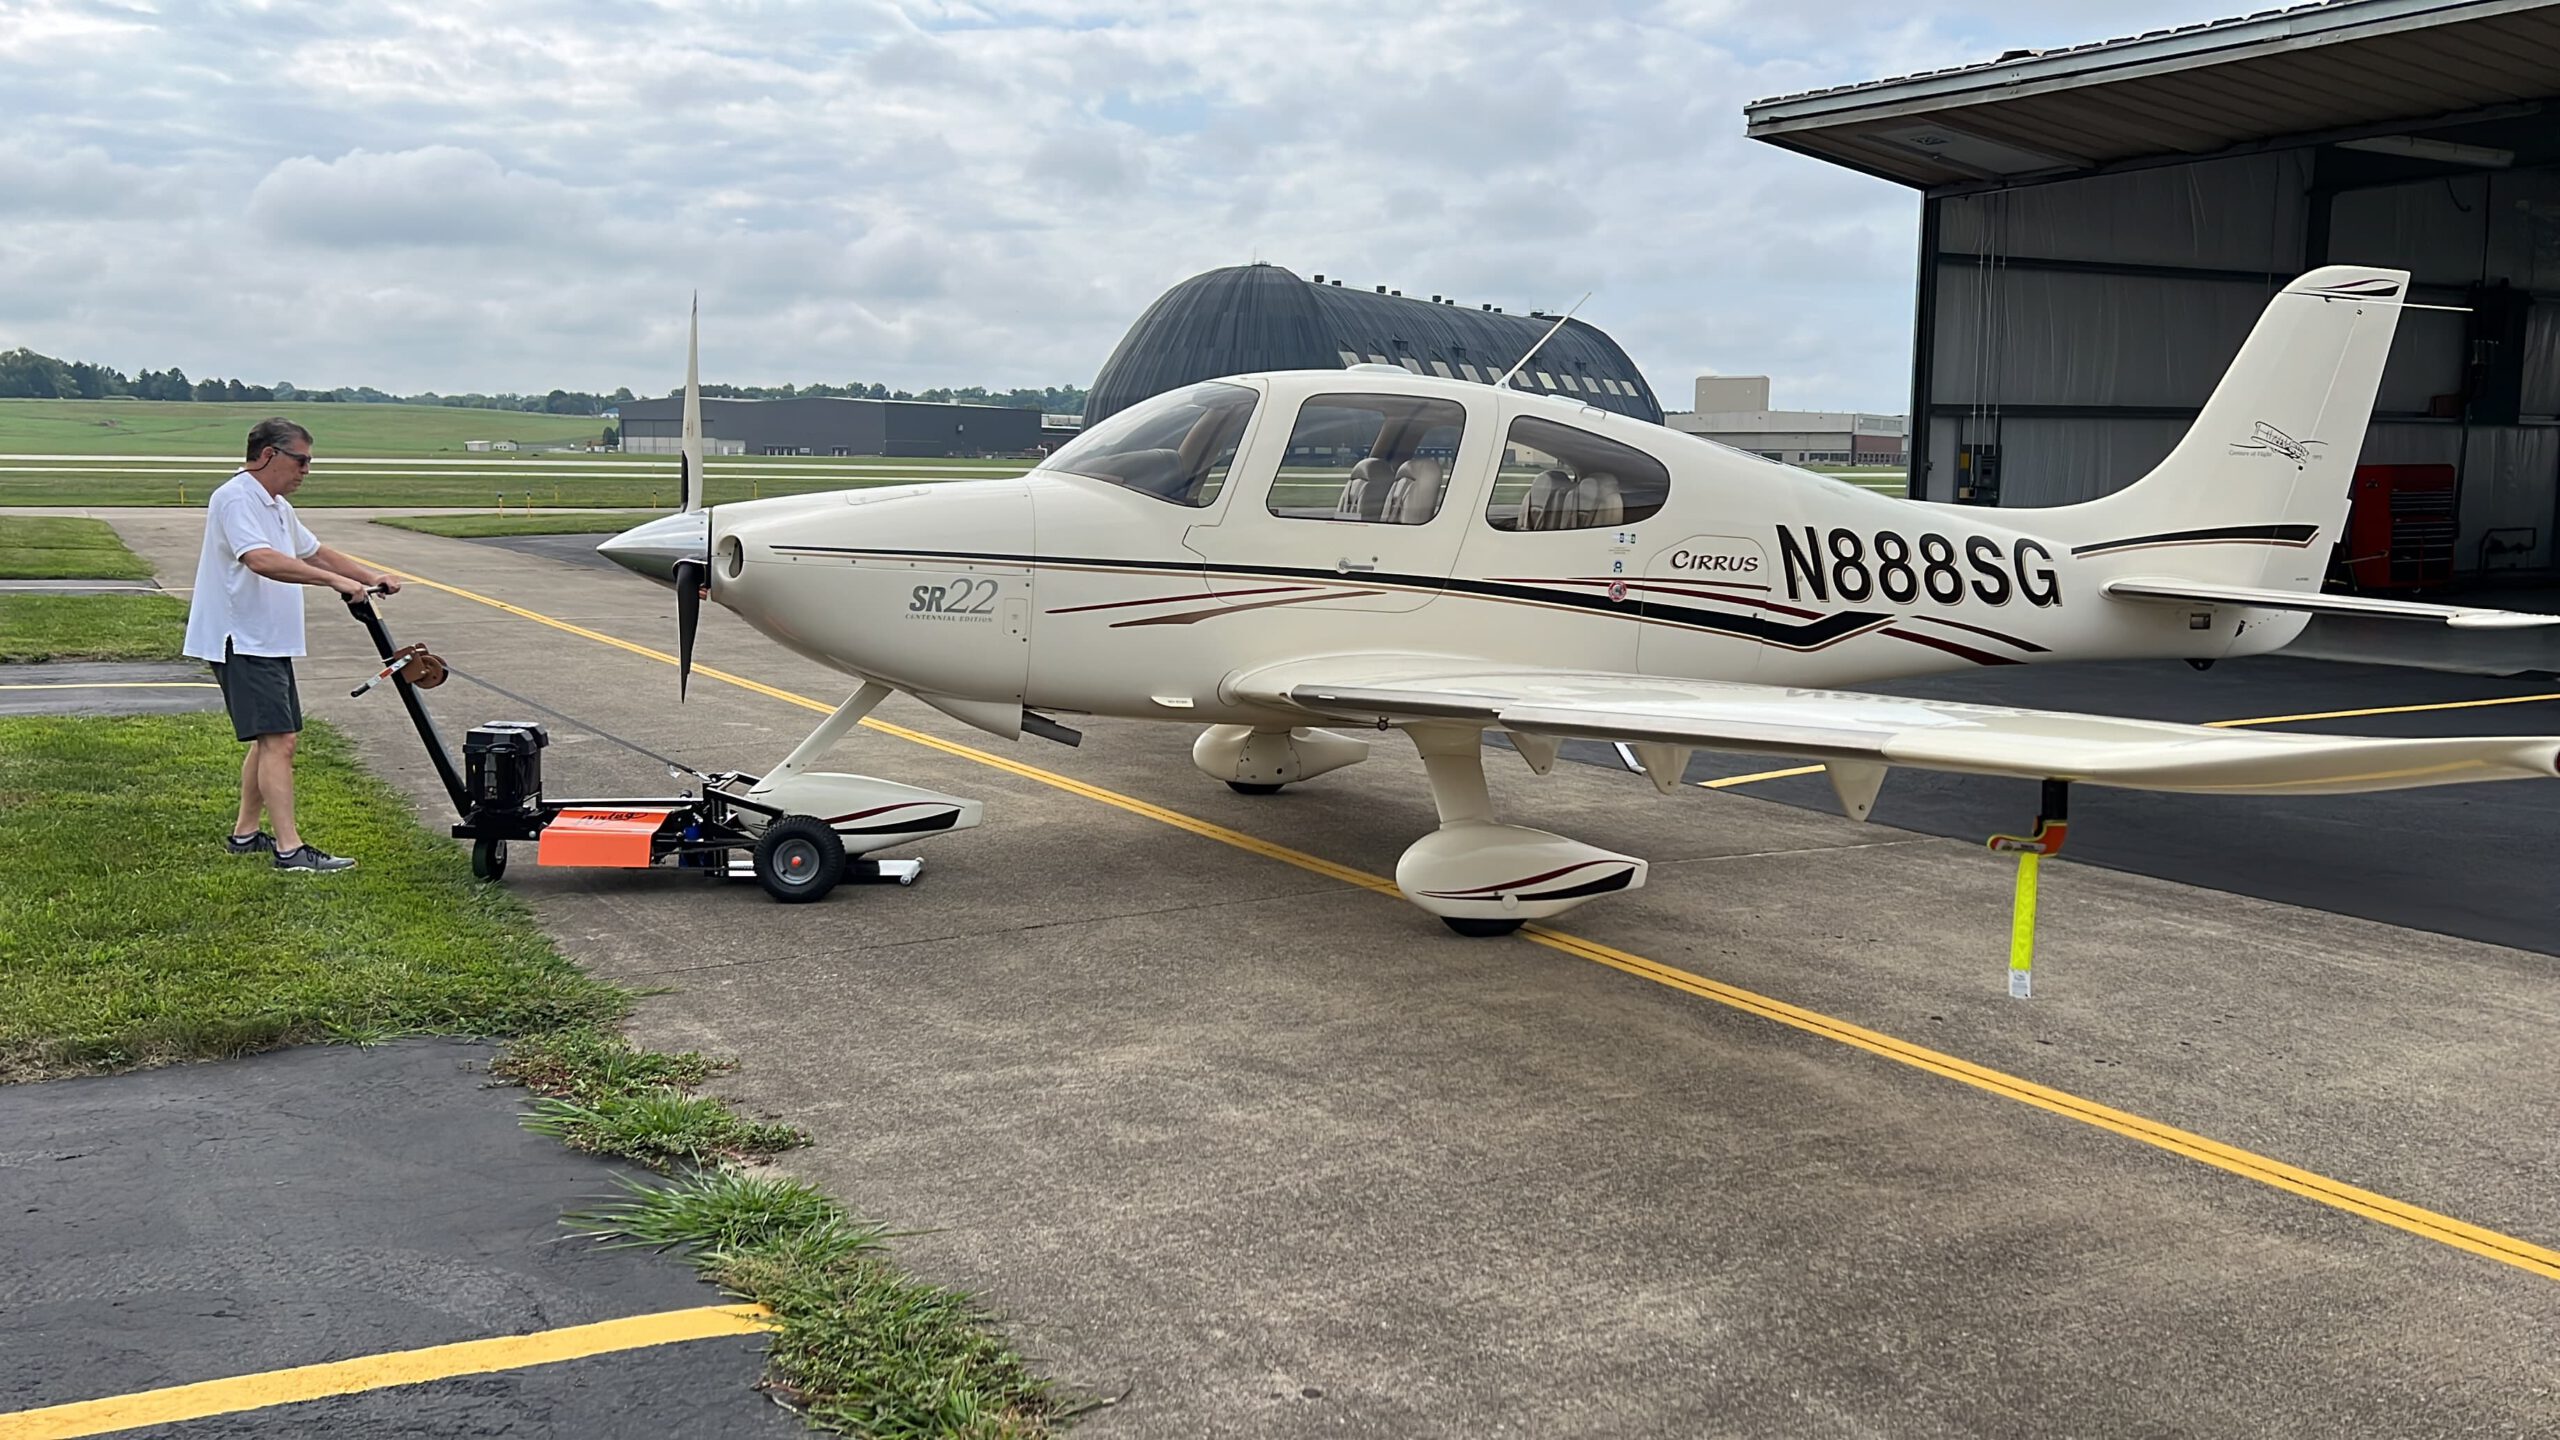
x,y
362,608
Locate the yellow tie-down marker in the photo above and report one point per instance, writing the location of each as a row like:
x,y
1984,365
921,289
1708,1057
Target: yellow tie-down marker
x,y
2052,822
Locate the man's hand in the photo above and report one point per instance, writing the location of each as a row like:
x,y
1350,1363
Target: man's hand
x,y
386,584
352,589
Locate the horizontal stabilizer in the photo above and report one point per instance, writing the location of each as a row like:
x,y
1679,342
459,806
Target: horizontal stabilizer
x,y
2145,591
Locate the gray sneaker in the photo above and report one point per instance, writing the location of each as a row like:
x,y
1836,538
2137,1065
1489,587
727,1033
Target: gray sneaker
x,y
313,859
256,843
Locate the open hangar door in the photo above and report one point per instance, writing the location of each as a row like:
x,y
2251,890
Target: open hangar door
x,y
2075,328
2102,225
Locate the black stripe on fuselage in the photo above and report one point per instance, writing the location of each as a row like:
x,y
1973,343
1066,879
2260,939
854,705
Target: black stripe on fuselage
x,y
2219,534
1766,630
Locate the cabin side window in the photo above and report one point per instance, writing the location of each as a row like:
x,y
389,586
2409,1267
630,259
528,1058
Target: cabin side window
x,y
1555,477
1378,459
1177,446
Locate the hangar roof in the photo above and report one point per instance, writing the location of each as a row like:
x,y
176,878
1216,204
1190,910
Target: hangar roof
x,y
2309,73
1246,318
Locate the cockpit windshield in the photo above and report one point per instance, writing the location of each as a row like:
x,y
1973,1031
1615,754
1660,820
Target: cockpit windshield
x,y
1177,446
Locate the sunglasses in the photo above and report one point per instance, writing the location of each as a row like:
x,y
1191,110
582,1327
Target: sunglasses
x,y
302,459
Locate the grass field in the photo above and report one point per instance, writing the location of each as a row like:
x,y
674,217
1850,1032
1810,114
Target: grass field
x,y
90,627
168,427
125,930
35,547
481,527
479,482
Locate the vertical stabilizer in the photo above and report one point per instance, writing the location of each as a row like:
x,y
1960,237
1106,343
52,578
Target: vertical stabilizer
x,y
2257,491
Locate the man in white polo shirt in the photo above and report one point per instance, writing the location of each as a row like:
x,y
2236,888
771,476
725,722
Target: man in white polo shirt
x,y
246,621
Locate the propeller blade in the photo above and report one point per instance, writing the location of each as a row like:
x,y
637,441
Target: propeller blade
x,y
689,577
690,465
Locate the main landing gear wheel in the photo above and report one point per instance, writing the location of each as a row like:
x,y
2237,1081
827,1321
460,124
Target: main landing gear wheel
x,y
1247,787
1479,929
488,859
799,859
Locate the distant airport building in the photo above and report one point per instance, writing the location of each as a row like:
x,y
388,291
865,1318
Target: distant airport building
x,y
2102,224
825,425
1734,410
1262,317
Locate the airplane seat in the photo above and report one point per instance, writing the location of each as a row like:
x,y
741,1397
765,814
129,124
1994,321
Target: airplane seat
x,y
1415,497
1602,502
1549,504
1365,494
1158,472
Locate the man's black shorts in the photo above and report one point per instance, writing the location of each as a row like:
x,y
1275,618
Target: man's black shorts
x,y
259,692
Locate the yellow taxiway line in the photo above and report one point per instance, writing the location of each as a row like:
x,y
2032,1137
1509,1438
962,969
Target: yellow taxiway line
x,y
2381,710
2416,1220
1729,781
376,1372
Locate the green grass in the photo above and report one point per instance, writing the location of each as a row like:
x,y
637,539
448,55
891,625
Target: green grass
x,y
128,936
53,564
477,527
553,484
57,532
856,1346
661,1127
590,1066
48,547
168,427
91,627
600,1095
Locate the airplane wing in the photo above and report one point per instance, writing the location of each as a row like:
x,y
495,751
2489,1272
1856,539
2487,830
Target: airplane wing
x,y
1858,732
2149,591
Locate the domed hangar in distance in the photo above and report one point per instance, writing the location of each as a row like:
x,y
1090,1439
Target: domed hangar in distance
x,y
1262,317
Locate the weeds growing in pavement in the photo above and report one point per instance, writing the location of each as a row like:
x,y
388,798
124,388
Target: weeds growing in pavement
x,y
856,1346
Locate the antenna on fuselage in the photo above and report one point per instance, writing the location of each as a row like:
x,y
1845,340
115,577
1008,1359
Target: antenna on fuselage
x,y
1541,345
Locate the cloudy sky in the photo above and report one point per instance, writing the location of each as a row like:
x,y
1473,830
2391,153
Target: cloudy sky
x,y
465,195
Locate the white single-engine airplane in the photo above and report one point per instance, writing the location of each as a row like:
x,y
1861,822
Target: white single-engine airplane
x,y
1271,553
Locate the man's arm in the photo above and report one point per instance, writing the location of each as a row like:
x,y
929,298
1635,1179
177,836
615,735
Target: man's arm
x,y
276,565
339,562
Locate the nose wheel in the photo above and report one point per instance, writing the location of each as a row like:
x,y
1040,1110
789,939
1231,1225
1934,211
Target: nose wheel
x,y
799,859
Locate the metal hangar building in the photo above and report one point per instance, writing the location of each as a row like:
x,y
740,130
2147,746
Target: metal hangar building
x,y
1262,317
828,425
2101,225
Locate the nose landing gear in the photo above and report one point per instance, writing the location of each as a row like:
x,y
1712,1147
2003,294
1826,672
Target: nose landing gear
x,y
799,859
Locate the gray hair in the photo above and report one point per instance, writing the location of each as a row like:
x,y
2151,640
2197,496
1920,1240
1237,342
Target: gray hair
x,y
272,433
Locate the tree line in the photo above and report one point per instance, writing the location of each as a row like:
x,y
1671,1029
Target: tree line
x,y
1054,399
24,374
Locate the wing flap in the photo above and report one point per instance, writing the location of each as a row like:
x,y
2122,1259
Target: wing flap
x,y
1840,726
2143,590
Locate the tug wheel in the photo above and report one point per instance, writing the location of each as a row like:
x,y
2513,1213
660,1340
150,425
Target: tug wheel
x,y
1248,787
1475,929
799,859
488,859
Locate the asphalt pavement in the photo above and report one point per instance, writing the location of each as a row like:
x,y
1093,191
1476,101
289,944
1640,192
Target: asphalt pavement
x,y
88,687
215,1220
